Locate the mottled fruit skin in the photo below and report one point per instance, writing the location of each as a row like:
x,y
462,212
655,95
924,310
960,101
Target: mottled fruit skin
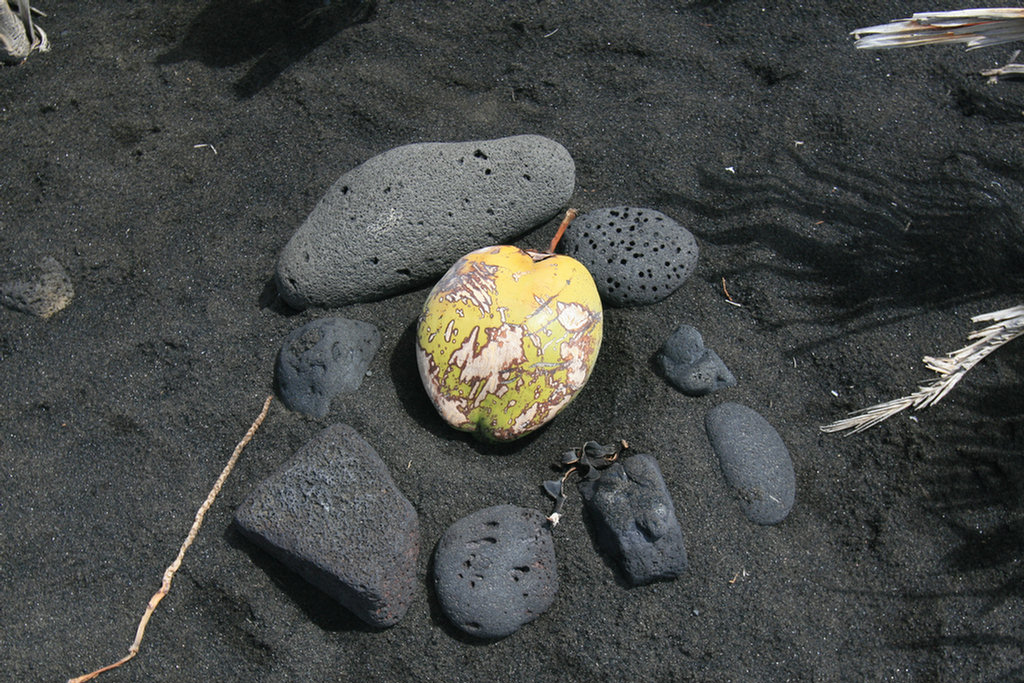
x,y
507,338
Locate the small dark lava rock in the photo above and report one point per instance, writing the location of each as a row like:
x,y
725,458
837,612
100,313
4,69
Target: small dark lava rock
x,y
322,359
334,515
637,256
634,519
494,570
47,293
691,367
754,460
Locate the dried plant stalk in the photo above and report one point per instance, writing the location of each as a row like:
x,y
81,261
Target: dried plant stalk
x,y
1007,325
165,585
19,34
975,27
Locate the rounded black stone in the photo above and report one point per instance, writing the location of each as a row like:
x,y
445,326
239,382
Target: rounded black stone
x,y
637,256
494,570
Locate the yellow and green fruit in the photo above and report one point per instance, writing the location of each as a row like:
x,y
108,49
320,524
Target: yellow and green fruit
x,y
507,338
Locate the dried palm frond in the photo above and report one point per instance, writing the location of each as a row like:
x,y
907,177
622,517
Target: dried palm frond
x,y
1007,325
975,27
19,35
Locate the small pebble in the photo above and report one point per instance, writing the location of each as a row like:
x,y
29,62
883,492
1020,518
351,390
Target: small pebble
x,y
41,296
494,570
402,218
755,461
334,515
691,367
637,256
322,359
635,521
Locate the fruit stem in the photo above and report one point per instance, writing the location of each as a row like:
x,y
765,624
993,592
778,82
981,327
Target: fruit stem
x,y
570,214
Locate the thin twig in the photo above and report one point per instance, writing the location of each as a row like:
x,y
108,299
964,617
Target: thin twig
x,y
570,214
165,586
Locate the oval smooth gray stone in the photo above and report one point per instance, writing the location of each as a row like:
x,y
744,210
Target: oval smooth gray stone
x,y
754,460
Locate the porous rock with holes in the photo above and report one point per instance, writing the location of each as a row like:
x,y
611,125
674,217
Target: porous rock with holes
x,y
494,570
334,515
637,256
400,219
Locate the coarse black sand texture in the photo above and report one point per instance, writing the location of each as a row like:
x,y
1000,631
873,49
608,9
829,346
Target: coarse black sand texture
x,y
859,206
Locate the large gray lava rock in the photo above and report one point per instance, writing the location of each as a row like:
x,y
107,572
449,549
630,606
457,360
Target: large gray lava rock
x,y
322,359
494,570
634,519
691,367
403,217
755,461
637,256
334,515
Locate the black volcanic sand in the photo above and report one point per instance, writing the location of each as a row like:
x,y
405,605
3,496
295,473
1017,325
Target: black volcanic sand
x,y
860,206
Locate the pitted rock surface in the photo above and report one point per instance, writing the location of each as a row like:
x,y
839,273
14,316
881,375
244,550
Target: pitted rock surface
x,y
634,520
637,256
334,515
494,570
691,367
755,461
322,359
403,217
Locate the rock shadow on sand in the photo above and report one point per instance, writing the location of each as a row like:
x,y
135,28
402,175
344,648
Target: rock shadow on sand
x,y
319,607
274,33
